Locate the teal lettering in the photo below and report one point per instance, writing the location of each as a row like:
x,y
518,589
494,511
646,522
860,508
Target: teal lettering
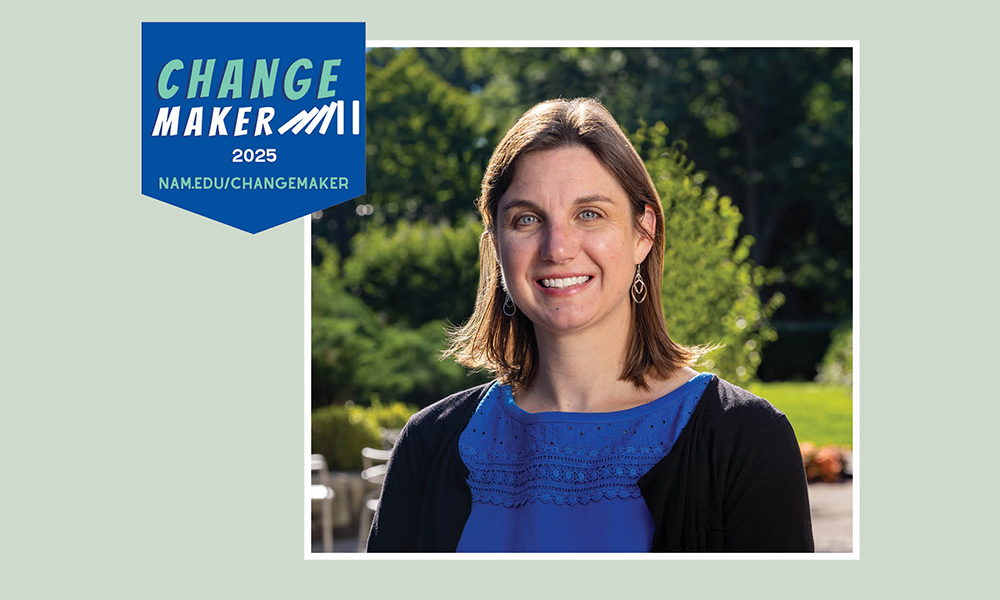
x,y
297,89
232,80
263,78
199,78
167,91
326,77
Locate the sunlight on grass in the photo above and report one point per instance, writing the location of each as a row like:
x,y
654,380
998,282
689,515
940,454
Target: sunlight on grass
x,y
821,414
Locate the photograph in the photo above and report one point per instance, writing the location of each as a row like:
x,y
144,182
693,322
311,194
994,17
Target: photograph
x,y
595,300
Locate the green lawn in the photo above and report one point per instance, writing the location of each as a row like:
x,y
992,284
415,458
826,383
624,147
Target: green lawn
x,y
821,414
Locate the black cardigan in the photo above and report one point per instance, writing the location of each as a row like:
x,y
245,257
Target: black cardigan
x,y
733,481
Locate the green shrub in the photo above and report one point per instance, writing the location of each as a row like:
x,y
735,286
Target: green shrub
x,y
340,432
416,272
404,366
710,284
837,366
391,416
359,351
343,332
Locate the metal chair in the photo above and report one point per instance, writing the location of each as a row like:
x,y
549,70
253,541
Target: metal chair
x,y
321,493
371,457
375,476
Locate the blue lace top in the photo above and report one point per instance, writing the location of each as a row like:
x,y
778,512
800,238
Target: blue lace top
x,y
562,481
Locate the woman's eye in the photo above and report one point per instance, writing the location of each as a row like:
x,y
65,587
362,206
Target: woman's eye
x,y
526,220
589,215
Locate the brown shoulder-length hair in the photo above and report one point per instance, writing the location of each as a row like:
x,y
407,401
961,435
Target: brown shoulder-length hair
x,y
506,345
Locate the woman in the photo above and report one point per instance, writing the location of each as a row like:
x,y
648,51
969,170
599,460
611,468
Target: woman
x,y
597,435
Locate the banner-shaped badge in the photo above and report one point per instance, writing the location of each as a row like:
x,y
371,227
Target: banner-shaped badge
x,y
253,124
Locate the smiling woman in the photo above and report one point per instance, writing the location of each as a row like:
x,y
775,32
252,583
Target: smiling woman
x,y
597,434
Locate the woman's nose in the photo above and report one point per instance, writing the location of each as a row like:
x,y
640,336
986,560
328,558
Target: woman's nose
x,y
559,243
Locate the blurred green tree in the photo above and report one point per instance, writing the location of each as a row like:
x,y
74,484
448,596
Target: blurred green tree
x,y
361,354
710,284
416,272
344,332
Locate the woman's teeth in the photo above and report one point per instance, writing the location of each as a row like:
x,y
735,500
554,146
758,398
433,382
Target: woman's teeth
x,y
565,282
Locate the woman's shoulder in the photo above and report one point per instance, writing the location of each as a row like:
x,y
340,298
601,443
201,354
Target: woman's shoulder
x,y
729,407
446,415
739,428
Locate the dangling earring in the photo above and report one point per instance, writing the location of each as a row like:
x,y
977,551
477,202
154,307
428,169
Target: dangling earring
x,y
509,304
638,288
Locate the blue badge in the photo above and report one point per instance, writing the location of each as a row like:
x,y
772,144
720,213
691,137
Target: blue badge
x,y
253,124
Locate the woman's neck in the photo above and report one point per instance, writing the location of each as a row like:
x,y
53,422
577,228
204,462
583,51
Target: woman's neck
x,y
579,372
575,374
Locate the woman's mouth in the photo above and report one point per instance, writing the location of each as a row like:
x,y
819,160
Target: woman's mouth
x,y
564,282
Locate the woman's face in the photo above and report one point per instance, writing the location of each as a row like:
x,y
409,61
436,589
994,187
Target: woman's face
x,y
567,241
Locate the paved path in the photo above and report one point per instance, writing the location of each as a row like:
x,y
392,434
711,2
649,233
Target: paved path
x,y
832,508
832,515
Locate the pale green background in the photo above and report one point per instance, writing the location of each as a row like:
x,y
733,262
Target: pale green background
x,y
152,386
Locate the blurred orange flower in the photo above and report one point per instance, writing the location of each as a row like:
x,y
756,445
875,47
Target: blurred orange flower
x,y
825,463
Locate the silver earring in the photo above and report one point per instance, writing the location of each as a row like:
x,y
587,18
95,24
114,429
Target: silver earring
x,y
508,304
638,288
